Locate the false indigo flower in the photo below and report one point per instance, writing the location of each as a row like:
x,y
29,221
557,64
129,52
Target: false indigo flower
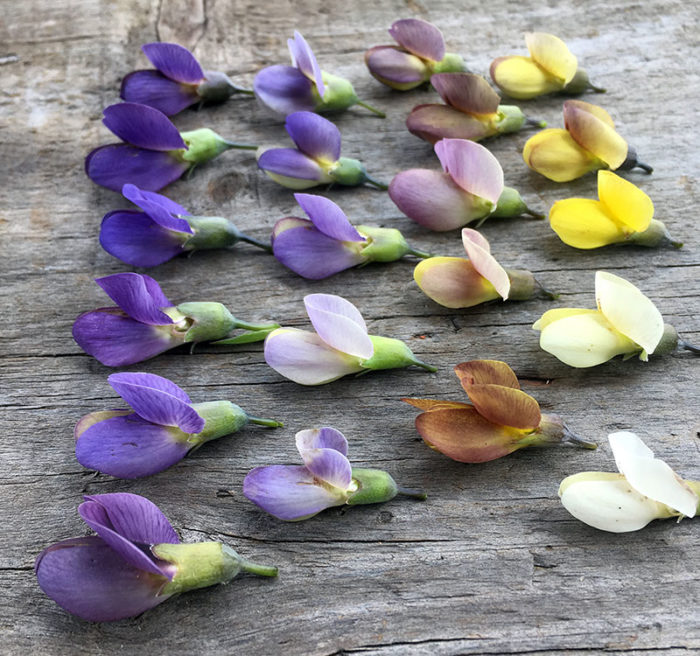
x,y
162,230
316,159
177,82
420,54
135,561
162,429
340,345
303,86
501,418
146,323
154,153
329,243
326,479
470,188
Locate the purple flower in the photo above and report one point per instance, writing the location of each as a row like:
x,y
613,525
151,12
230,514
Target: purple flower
x,y
162,230
134,563
154,153
326,479
162,429
177,82
316,159
329,243
146,323
420,54
469,188
303,86
340,345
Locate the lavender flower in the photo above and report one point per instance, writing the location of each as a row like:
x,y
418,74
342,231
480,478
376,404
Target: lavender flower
x,y
162,230
303,86
162,429
146,323
327,479
340,345
177,82
135,561
328,243
316,159
154,153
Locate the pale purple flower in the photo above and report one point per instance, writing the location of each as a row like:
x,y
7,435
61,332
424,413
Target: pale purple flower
x,y
303,86
161,428
163,230
329,243
154,153
316,159
135,561
177,82
339,347
146,323
326,479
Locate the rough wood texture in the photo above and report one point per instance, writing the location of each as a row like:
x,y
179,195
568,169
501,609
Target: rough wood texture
x,y
491,563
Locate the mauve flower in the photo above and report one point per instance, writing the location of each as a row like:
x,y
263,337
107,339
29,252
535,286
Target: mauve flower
x,y
472,111
303,86
588,143
645,489
469,188
146,323
154,153
340,345
135,561
501,418
177,82
326,479
329,243
163,230
420,54
161,428
316,159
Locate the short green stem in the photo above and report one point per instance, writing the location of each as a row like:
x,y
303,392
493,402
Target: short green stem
x,y
239,146
412,492
247,92
535,215
374,110
255,242
535,122
254,568
375,183
417,253
547,292
645,167
260,421
689,347
244,325
571,437
596,89
423,365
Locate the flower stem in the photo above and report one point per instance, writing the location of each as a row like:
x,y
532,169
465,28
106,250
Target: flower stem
x,y
423,365
240,146
254,568
248,92
569,436
413,492
689,347
255,242
421,254
376,183
535,215
272,423
645,167
244,325
550,294
535,122
592,87
374,110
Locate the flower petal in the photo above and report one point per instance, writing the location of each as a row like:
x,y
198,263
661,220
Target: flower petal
x,y
159,207
435,122
551,53
130,447
550,316
505,406
92,418
522,78
138,295
554,154
625,201
339,323
86,577
114,165
479,253
594,134
472,167
288,492
152,88
326,464
305,60
174,61
464,435
419,37
328,217
291,163
322,438
142,126
305,358
584,223
284,89
314,136
396,68
650,476
486,372
158,400
453,282
466,92
430,405
628,310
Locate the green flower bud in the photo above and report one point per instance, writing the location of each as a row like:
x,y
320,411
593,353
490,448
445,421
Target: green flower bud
x,y
383,244
511,204
373,486
202,145
390,353
221,417
510,119
338,94
654,235
206,320
348,171
211,232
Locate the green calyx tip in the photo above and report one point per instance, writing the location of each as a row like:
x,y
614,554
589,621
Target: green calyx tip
x,y
383,244
221,417
510,119
373,486
205,144
208,321
338,93
390,353
210,232
655,235
669,341
450,63
510,204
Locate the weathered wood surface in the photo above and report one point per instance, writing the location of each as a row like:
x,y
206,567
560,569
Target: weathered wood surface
x,y
491,563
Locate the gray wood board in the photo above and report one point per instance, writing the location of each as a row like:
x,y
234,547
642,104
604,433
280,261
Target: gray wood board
x,y
490,563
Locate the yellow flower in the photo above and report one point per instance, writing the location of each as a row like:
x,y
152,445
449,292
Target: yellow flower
x,y
623,215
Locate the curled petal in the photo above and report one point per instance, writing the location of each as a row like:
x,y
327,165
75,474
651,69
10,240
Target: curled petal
x,y
314,136
453,282
584,223
628,310
152,88
554,154
142,126
92,418
550,316
328,217
174,61
466,92
522,78
594,134
583,106
626,202
159,207
551,53
435,122
322,438
419,37
479,253
430,405
472,167
290,163
138,295
305,60
284,89
486,372
339,323
505,406
396,68
289,492
329,466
